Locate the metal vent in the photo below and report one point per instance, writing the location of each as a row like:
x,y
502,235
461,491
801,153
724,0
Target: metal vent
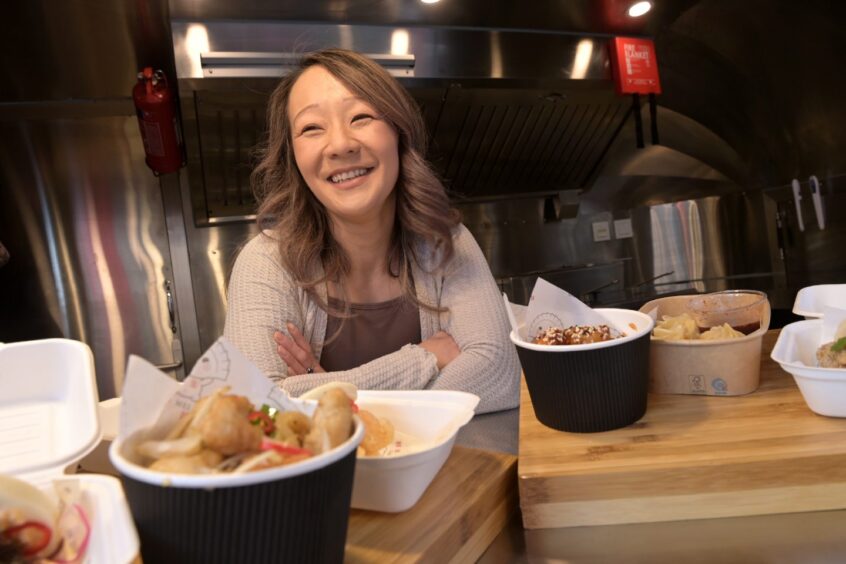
x,y
228,126
484,141
495,141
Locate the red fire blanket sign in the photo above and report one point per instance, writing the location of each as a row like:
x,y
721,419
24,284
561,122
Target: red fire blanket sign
x,y
635,66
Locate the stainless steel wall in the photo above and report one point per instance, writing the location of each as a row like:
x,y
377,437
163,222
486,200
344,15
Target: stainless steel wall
x,y
211,252
80,214
83,221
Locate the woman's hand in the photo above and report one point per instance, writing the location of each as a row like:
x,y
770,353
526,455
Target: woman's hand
x,y
296,352
443,346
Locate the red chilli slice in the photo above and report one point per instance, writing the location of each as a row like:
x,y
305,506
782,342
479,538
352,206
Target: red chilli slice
x,y
83,546
263,420
32,549
270,444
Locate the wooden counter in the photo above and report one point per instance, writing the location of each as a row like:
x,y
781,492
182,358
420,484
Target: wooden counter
x,y
689,457
464,508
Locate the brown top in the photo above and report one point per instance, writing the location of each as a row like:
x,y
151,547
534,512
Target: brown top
x,y
374,330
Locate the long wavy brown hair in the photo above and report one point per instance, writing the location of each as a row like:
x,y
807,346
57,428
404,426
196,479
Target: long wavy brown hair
x,y
288,206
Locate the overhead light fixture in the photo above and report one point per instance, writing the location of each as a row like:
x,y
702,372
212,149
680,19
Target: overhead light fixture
x,y
430,1
584,50
639,8
399,42
196,43
496,55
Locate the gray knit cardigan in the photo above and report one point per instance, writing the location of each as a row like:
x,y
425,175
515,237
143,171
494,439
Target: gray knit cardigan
x,y
262,297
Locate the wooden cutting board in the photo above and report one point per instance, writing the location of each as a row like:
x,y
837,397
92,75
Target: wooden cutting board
x,y
464,508
689,457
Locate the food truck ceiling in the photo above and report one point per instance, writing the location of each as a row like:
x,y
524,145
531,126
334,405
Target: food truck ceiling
x,y
608,17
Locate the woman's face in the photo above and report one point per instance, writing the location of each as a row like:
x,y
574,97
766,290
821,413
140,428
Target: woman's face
x,y
346,153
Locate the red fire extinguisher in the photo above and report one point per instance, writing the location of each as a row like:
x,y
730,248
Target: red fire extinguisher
x,y
156,109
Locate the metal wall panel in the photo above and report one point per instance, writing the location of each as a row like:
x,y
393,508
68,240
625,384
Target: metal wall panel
x,y
82,218
211,251
80,212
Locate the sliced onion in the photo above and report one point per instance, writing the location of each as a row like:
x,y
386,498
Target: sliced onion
x,y
186,446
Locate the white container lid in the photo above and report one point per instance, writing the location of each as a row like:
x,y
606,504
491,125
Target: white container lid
x,y
48,407
811,300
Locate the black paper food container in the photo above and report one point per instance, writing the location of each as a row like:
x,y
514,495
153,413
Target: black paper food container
x,y
590,388
283,515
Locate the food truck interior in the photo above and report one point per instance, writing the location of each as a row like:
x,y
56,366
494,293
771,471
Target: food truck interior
x,y
734,178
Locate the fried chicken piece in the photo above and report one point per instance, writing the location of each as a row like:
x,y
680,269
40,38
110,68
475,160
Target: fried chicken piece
x,y
291,427
226,427
331,423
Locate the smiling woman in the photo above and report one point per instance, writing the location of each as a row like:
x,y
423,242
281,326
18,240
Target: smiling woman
x,y
363,272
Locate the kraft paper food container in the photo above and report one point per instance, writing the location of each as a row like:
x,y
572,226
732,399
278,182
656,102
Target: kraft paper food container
x,y
823,389
48,422
426,424
729,367
293,513
811,300
592,387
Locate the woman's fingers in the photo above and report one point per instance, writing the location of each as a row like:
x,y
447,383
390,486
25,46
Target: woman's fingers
x,y
300,347
298,337
443,346
306,357
296,351
283,349
294,367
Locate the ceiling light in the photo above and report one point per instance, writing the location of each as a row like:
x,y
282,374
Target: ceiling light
x,y
584,50
196,43
639,8
429,1
399,42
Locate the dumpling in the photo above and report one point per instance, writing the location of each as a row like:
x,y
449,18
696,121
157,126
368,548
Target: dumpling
x,y
724,331
676,328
